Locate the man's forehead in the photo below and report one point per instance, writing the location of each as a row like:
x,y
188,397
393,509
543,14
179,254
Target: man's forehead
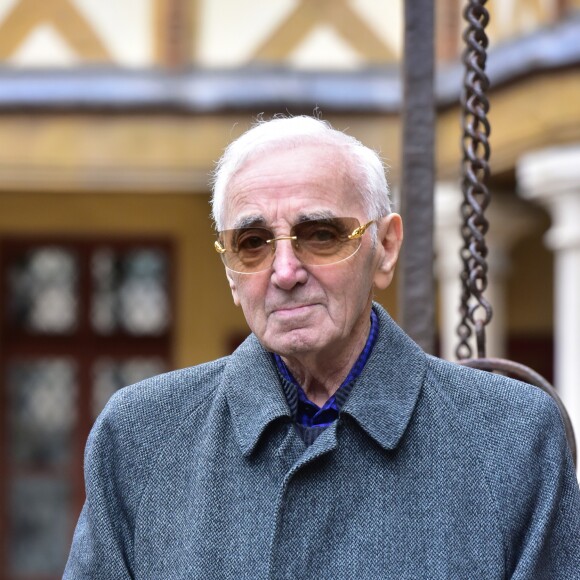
x,y
259,220
267,189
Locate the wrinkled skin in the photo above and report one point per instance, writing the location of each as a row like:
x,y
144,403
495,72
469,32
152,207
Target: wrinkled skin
x,y
316,317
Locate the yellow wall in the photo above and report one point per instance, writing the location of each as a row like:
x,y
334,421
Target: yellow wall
x,y
536,112
530,285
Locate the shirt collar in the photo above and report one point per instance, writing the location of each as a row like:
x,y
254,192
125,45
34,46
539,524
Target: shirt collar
x,y
295,395
381,402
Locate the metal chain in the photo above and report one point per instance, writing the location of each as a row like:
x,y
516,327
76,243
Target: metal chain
x,y
476,311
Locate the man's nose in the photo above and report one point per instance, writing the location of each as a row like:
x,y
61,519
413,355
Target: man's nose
x,y
287,269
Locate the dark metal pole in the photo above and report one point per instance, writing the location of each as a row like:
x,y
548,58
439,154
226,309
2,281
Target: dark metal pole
x,y
416,284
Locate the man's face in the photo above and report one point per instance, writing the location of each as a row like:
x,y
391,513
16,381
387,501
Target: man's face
x,y
293,308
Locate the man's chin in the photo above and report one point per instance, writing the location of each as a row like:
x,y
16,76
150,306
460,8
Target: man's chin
x,y
294,342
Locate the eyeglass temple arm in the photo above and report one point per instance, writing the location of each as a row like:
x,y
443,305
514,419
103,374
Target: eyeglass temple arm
x,y
360,231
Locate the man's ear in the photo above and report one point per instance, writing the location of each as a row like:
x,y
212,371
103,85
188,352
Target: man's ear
x,y
233,287
390,238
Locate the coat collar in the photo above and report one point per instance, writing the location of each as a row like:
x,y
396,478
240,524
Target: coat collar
x,y
384,397
381,402
254,392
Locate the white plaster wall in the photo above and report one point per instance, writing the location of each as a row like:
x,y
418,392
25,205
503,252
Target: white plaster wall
x,y
324,49
231,31
385,19
44,47
5,7
125,27
511,18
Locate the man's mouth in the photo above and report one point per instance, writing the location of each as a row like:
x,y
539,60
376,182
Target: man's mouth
x,y
292,310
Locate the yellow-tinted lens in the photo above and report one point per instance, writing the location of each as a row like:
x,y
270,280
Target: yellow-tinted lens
x,y
325,241
247,249
315,242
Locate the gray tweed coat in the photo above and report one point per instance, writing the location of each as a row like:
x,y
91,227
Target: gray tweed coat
x,y
432,471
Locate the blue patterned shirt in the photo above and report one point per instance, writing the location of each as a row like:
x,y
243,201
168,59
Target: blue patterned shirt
x,y
311,419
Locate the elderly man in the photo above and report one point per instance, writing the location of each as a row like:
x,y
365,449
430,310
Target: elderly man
x,y
328,445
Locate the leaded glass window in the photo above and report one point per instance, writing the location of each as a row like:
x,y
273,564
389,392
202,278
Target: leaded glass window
x,y
42,290
80,320
39,523
130,291
42,395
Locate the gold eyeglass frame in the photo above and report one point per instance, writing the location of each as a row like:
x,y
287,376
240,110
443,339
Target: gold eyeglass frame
x,y
356,234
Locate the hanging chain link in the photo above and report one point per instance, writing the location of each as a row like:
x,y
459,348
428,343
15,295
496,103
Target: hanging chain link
x,y
475,310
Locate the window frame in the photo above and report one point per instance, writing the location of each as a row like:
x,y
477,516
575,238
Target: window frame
x,y
84,345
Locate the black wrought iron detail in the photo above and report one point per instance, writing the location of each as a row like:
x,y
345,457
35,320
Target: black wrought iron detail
x,y
476,311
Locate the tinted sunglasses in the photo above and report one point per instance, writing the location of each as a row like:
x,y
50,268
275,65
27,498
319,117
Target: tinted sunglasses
x,y
317,242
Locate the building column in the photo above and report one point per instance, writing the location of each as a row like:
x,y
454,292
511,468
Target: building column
x,y
551,177
509,220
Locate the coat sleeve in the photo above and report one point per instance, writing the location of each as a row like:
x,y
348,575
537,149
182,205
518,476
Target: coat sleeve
x,y
102,545
545,509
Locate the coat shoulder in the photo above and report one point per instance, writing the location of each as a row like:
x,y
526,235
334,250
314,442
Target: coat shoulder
x,y
164,398
140,419
486,402
511,436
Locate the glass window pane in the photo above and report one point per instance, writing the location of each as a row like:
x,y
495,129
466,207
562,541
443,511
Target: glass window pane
x,y
39,523
130,291
42,411
110,375
42,291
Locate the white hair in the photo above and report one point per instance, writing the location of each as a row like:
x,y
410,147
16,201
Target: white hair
x,y
367,166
